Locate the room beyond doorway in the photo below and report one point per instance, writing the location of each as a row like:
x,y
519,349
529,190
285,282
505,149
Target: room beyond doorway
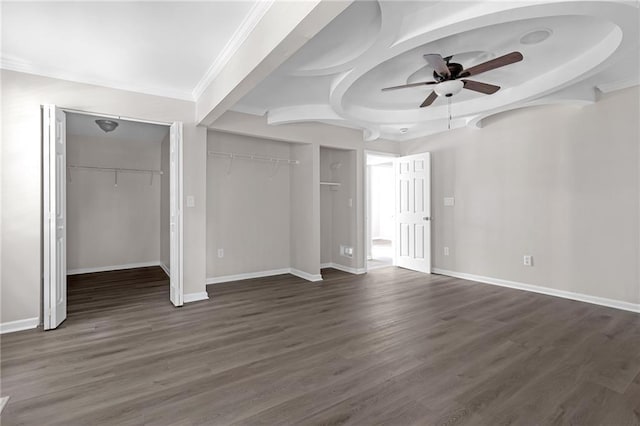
x,y
380,212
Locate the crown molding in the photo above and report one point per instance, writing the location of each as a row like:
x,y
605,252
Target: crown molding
x,y
254,16
51,72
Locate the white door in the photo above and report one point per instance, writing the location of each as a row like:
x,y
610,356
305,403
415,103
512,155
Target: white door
x,y
175,179
413,212
55,216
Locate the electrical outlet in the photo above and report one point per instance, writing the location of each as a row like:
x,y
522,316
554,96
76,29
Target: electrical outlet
x,y
220,253
191,201
346,251
446,251
527,260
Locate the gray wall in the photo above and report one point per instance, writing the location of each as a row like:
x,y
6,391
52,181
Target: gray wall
x,y
247,209
560,183
110,225
305,209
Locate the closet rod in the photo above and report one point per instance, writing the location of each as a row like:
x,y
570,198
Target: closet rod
x,y
253,157
115,169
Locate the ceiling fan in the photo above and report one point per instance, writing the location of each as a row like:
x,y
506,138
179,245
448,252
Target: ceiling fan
x,y
450,77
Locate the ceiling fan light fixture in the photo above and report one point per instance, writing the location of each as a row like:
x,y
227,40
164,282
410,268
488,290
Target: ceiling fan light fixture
x,y
107,125
448,88
536,36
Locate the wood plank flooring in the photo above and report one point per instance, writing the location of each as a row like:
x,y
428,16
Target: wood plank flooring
x,y
390,347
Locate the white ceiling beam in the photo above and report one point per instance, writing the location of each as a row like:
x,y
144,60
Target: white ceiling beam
x,y
284,28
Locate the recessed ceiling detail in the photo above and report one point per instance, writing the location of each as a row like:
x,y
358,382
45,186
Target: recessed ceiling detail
x,y
339,74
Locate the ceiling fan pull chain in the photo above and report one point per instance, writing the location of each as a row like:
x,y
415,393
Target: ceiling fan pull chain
x,y
449,113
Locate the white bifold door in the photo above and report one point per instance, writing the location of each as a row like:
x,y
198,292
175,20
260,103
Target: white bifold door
x,y
413,212
54,216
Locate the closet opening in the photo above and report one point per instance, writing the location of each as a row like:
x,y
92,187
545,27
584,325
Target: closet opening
x,y
338,229
380,210
111,212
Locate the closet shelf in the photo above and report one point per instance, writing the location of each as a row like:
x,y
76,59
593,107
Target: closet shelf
x,y
115,169
331,183
232,156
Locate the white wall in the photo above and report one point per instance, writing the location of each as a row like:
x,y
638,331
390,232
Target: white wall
x,y
560,183
110,225
248,209
165,207
22,95
382,201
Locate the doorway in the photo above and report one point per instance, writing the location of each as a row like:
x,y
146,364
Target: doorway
x,y
380,210
111,200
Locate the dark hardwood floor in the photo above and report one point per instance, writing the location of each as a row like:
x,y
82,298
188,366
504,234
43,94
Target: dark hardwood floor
x,y
390,347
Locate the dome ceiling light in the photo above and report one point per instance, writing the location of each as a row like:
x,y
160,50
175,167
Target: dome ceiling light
x,y
107,125
448,88
536,36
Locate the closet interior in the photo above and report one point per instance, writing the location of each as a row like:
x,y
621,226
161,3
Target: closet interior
x,y
338,209
117,195
258,207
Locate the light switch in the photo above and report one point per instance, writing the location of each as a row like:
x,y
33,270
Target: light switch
x,y
191,201
449,201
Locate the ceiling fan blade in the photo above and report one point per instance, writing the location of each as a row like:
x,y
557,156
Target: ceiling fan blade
x,y
404,86
501,61
486,88
438,63
432,97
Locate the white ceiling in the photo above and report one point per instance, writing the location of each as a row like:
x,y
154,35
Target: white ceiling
x,y
163,48
337,76
84,126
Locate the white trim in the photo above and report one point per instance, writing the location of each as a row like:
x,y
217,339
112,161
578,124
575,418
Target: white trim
x,y
618,85
343,268
261,274
611,303
113,267
19,325
195,297
165,268
28,68
373,268
305,275
258,10
247,276
3,403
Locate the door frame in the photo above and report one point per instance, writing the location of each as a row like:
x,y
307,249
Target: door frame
x,y
367,204
176,180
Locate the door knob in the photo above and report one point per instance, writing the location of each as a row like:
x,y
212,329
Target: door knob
x,y
425,218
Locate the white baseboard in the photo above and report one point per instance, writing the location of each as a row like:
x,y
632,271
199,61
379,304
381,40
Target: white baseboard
x,y
248,276
305,275
165,268
261,274
19,325
195,297
611,303
113,267
356,271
